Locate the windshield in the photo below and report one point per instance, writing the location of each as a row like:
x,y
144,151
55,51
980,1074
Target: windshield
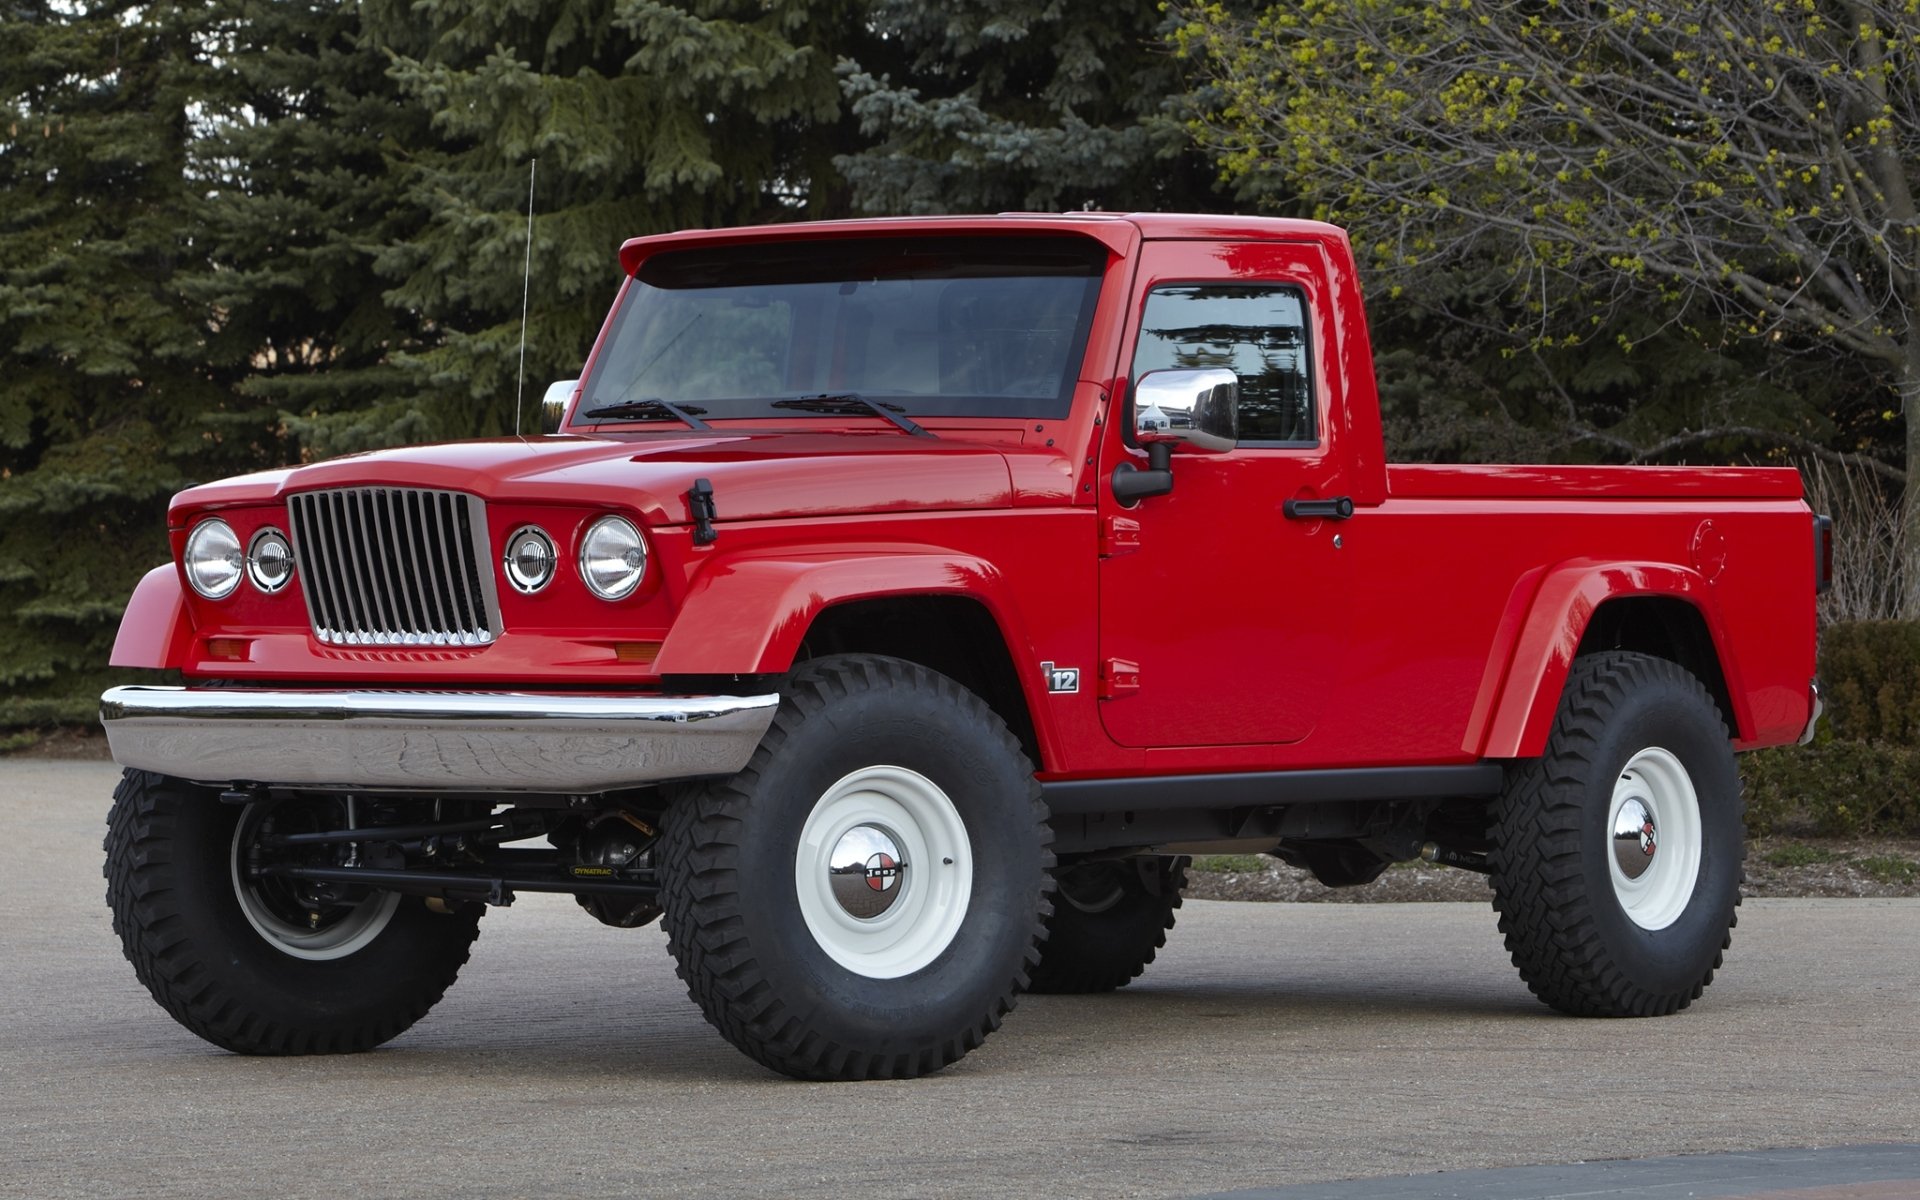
x,y
947,326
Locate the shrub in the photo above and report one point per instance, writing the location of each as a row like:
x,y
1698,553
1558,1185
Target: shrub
x,y
1870,672
1833,789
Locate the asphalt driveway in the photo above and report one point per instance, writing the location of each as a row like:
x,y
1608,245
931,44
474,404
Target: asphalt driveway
x,y
1273,1045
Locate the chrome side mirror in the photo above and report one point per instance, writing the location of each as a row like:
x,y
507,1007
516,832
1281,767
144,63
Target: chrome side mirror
x,y
553,405
1194,407
1198,408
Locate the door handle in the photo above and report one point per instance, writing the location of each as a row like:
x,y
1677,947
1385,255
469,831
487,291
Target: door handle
x,y
1339,508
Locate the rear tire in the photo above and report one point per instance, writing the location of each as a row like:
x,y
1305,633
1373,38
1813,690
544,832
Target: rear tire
x,y
228,959
1109,919
863,900
1618,856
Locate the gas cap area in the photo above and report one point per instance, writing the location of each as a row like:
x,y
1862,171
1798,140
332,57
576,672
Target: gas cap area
x,y
1709,551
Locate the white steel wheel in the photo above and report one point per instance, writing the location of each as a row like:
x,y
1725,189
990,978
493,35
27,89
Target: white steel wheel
x,y
884,872
276,913
1654,838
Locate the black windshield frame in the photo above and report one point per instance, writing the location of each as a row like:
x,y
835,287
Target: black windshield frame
x,y
1035,294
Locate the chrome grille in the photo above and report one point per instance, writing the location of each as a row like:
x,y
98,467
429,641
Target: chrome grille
x,y
395,566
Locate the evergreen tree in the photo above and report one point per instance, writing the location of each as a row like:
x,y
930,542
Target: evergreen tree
x,y
644,117
108,367
297,131
1021,104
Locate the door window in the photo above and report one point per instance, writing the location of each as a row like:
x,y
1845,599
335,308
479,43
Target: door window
x,y
1259,331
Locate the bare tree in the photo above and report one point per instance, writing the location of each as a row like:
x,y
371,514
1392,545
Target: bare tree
x,y
1868,530
1762,156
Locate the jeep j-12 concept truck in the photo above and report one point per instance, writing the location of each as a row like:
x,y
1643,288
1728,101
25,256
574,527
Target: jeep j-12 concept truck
x,y
891,607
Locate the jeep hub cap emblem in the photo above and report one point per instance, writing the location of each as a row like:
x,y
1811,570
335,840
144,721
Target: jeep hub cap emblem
x,y
866,871
1635,838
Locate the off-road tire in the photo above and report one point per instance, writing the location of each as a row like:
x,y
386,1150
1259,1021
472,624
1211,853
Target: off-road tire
x,y
730,849
1566,927
1109,919
170,886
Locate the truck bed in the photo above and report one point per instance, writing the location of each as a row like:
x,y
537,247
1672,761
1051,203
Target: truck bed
x,y
1455,481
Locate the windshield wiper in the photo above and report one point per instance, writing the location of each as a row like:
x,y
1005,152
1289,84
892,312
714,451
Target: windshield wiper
x,y
651,410
854,403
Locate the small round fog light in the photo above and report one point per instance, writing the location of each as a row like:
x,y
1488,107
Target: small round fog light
x,y
270,560
530,559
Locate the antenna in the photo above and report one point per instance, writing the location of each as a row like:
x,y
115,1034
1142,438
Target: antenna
x,y
526,289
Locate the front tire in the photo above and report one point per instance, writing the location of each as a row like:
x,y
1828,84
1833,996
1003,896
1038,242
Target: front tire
x,y
1109,919
1618,856
864,899
230,958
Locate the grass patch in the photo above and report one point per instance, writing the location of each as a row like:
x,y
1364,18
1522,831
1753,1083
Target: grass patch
x,y
1888,869
20,740
1800,854
1229,864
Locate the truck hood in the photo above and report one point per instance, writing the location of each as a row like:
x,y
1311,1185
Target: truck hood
x,y
754,476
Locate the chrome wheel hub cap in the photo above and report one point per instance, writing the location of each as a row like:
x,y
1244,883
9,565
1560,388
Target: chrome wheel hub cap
x,y
866,871
1635,837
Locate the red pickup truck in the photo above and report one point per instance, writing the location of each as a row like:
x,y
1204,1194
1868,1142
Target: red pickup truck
x,y
892,605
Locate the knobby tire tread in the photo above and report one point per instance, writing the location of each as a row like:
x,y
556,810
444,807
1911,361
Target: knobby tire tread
x,y
1088,969
170,959
1546,911
705,932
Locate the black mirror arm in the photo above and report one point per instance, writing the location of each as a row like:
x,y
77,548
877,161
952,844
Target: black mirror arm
x,y
1131,485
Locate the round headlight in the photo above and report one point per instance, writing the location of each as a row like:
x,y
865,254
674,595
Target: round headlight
x,y
529,560
613,558
270,560
213,559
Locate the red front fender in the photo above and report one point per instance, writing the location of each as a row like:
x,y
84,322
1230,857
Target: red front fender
x,y
747,615
155,630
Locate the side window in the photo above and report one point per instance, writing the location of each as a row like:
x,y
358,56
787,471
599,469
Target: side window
x,y
1257,330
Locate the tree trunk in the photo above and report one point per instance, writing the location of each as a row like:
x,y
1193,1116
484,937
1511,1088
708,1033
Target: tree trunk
x,y
1909,551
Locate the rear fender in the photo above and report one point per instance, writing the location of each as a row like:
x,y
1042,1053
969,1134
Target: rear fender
x,y
155,631
1515,709
748,615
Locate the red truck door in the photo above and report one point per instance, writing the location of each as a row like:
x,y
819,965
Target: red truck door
x,y
1222,621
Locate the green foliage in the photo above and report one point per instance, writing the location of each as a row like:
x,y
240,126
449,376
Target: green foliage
x,y
1862,775
1870,671
991,105
296,128
112,373
1456,387
1801,854
1642,184
1833,789
1890,869
1230,864
644,116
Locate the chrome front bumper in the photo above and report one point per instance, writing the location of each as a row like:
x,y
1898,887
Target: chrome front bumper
x,y
437,741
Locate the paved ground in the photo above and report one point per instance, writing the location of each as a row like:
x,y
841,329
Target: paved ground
x,y
1273,1045
1877,1172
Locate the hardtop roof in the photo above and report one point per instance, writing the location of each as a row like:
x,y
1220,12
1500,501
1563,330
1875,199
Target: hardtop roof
x,y
1120,232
